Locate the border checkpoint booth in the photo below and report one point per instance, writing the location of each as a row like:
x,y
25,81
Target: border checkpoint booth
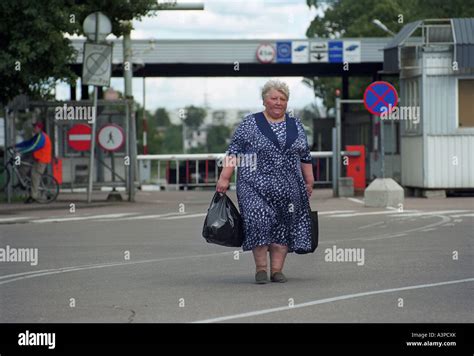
x,y
435,61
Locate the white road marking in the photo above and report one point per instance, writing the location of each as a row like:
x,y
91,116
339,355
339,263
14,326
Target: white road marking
x,y
143,217
390,212
48,272
15,219
185,216
444,219
334,212
330,300
79,218
371,225
441,212
462,215
356,200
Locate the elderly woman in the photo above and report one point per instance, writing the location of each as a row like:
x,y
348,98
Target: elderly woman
x,y
273,196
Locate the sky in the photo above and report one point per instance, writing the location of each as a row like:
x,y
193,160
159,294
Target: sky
x,y
221,19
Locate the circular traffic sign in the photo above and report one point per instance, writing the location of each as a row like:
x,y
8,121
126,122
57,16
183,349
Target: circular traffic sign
x,y
104,27
380,97
284,50
111,137
79,137
265,53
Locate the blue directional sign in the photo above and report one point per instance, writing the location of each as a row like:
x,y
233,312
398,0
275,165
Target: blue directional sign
x,y
335,51
283,52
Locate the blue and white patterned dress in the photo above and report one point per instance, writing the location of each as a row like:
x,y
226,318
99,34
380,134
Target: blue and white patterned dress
x,y
272,196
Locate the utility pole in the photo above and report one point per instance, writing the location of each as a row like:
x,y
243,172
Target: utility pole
x,y
128,76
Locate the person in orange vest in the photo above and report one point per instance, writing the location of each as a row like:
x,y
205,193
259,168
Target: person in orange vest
x,y
40,146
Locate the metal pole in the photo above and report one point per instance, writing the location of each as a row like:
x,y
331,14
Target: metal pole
x,y
177,175
128,64
133,151
184,136
127,147
8,188
334,164
394,146
338,144
197,172
382,148
94,104
128,76
145,124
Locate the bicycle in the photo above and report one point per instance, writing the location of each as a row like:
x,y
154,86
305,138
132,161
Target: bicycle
x,y
48,189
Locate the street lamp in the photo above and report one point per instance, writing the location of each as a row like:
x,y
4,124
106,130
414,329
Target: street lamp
x,y
380,25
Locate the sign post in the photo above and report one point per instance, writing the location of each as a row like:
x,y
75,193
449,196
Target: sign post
x,y
96,71
381,98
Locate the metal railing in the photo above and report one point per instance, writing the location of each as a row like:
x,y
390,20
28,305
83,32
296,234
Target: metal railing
x,y
208,176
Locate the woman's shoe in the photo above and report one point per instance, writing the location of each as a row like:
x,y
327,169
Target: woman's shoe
x,y
261,277
278,277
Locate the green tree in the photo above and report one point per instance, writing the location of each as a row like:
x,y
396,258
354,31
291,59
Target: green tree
x,y
217,137
35,54
161,118
34,51
349,18
194,117
173,139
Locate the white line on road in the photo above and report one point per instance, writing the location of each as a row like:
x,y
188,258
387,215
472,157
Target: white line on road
x,y
78,218
390,212
330,300
15,219
185,216
372,225
48,272
441,212
334,212
444,219
356,200
143,217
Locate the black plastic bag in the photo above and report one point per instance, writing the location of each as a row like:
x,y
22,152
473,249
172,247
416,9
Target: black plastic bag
x,y
223,224
314,233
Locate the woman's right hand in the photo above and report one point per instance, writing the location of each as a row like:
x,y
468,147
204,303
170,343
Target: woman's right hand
x,y
222,185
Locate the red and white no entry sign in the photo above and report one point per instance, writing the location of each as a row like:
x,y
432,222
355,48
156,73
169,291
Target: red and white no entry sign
x,y
111,137
79,137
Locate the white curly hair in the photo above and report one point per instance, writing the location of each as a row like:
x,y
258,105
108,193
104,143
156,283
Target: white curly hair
x,y
276,84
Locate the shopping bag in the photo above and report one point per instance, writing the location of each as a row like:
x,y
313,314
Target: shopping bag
x,y
314,233
314,230
223,224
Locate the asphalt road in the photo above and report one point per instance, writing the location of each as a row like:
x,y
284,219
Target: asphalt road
x,y
147,262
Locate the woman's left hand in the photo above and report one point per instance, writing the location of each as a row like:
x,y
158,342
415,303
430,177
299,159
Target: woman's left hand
x,y
309,188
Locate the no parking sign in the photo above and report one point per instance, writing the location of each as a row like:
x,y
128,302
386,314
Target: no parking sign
x,y
380,97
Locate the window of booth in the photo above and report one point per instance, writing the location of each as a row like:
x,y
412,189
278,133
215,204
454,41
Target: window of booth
x,y
466,102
